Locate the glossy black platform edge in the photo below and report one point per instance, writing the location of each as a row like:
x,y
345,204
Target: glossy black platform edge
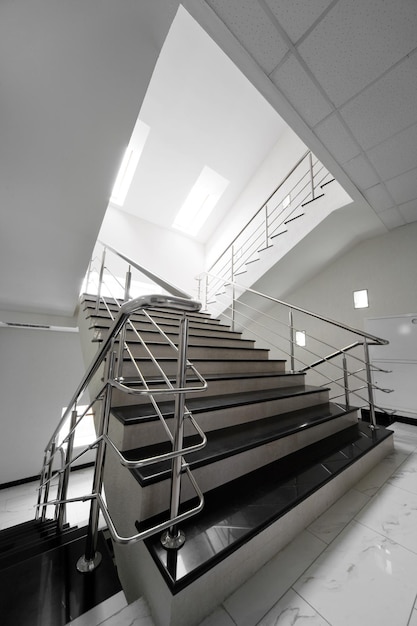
x,y
386,419
238,511
47,589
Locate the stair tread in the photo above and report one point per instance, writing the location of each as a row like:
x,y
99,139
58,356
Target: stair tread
x,y
234,513
225,442
137,413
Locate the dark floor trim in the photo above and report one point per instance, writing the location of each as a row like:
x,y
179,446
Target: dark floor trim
x,y
31,479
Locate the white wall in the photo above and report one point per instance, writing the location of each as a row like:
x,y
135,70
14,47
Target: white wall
x,y
39,371
174,257
277,164
385,265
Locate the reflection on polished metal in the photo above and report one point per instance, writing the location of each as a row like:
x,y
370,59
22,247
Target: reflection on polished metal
x,y
88,565
172,542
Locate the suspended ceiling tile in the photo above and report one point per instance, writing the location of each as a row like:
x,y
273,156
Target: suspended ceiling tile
x,y
409,211
303,94
386,107
392,218
378,198
394,155
403,188
296,16
337,139
253,29
358,41
361,172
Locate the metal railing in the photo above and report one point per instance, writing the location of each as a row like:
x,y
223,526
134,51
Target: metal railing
x,y
110,355
306,338
302,185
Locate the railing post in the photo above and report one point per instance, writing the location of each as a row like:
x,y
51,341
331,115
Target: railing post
x,y
311,175
41,491
91,559
122,334
48,480
100,279
63,489
173,538
370,386
233,287
266,227
346,381
292,340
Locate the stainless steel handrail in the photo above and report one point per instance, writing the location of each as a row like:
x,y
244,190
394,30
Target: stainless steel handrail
x,y
154,277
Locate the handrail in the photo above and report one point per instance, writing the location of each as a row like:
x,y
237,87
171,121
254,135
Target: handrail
x,y
294,307
127,309
157,279
286,177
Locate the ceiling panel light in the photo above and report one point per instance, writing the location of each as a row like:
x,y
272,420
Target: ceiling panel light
x,y
203,197
129,163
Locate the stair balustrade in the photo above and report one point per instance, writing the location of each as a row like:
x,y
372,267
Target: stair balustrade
x,y
110,356
285,328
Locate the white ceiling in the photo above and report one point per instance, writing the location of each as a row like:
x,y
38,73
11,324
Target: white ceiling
x,y
343,73
73,75
202,111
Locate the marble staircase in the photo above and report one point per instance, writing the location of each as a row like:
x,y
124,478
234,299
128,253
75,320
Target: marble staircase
x,y
278,453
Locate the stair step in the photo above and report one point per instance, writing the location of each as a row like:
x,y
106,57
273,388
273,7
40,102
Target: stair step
x,y
162,349
227,442
207,366
105,321
237,512
147,330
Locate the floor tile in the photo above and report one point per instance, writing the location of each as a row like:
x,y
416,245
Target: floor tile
x,y
333,521
218,618
135,614
406,475
362,578
290,610
101,612
251,601
393,514
374,480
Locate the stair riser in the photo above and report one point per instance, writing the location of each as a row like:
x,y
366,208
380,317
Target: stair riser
x,y
160,351
154,499
218,387
148,433
209,367
106,322
208,340
157,313
200,335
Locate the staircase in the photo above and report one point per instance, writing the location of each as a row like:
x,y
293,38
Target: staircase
x,y
278,453
38,576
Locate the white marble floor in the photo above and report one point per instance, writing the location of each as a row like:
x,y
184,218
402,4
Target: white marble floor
x,y
356,564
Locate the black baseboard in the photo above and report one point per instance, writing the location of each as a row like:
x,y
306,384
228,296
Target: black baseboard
x,y
385,419
31,479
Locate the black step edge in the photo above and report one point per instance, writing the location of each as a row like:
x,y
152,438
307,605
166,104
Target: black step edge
x,y
260,499
138,413
228,442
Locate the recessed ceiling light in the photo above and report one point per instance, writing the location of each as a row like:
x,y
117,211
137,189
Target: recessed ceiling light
x,y
201,200
129,163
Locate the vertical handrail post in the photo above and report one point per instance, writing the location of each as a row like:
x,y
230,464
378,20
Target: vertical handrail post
x,y
48,475
41,490
91,558
122,334
346,381
232,269
292,340
100,279
173,538
266,227
63,488
370,386
311,175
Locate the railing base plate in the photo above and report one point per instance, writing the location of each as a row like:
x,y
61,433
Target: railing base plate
x,y
172,543
88,565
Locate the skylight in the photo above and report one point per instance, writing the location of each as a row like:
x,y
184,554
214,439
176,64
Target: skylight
x,y
129,163
203,197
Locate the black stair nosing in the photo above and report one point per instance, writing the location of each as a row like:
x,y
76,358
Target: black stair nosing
x,y
225,333
212,378
313,199
157,312
167,321
227,442
271,492
204,404
327,183
198,360
194,343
